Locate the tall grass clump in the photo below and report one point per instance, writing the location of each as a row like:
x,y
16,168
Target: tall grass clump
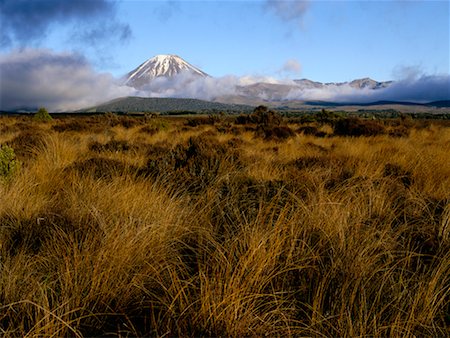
x,y
110,229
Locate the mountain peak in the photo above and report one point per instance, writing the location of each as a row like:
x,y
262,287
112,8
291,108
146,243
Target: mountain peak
x,y
163,65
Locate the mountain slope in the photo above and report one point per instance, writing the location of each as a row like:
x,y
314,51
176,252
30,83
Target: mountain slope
x,y
365,83
160,66
165,105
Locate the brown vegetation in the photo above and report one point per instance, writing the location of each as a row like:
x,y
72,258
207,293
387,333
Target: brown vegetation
x,y
167,227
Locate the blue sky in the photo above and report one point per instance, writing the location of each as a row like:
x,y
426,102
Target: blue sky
x,y
330,40
327,41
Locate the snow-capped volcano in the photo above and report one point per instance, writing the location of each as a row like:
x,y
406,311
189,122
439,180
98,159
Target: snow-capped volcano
x,y
161,66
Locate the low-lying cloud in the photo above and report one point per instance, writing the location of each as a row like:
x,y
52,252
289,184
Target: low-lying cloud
x,y
422,89
186,85
59,81
31,78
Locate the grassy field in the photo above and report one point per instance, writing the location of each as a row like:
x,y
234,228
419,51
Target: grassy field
x,y
120,226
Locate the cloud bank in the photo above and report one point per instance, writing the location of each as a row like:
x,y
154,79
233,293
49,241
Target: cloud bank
x,y
421,89
30,78
28,21
59,81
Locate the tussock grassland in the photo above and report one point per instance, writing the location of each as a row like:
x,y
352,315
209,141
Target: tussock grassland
x,y
120,226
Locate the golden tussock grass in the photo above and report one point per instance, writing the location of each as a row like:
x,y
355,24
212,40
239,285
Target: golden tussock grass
x,y
166,227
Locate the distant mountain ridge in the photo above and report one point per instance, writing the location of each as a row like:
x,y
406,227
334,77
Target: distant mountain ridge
x,y
369,84
364,83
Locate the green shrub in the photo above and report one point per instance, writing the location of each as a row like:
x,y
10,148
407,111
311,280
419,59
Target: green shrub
x,y
42,115
8,163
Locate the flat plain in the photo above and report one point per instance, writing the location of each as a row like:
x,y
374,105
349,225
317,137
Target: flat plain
x,y
224,226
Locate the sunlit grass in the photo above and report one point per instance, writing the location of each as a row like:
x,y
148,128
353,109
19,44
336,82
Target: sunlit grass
x,y
199,232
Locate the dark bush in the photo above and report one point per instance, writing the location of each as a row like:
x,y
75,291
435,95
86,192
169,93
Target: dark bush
x,y
194,165
128,122
26,143
238,202
242,119
277,133
307,130
401,131
149,130
316,161
334,171
354,126
79,125
396,172
317,147
16,127
100,167
198,121
158,150
260,116
311,130
227,128
113,120
325,116
267,117
113,145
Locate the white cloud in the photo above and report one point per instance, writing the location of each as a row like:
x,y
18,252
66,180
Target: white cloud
x,y
66,81
288,10
58,81
291,67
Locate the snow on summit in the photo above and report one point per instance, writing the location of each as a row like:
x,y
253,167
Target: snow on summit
x,y
160,66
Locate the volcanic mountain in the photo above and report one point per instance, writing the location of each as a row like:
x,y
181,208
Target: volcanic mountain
x,y
171,76
167,66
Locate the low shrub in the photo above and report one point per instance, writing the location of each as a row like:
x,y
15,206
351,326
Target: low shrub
x,y
194,165
198,121
42,115
396,172
400,131
76,125
128,122
307,130
149,130
354,126
113,120
260,116
275,133
311,130
8,162
333,171
113,146
26,143
100,167
158,150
